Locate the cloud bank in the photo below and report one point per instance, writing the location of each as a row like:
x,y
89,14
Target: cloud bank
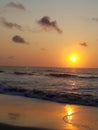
x,y
16,5
47,24
19,39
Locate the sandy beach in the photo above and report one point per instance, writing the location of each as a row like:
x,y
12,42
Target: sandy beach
x,y
11,127
33,114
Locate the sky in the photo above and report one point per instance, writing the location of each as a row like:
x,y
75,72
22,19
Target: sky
x,y
48,32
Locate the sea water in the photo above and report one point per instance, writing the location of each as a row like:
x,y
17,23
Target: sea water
x,y
64,85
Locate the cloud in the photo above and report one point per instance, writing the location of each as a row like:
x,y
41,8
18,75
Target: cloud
x,y
16,5
95,19
47,24
11,57
84,44
19,39
43,49
10,25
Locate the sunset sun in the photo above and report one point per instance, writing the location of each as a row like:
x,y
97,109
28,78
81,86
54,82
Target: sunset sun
x,y
73,58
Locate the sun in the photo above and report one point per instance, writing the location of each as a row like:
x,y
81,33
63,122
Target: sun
x,y
73,58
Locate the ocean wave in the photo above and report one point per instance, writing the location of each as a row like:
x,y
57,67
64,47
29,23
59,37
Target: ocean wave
x,y
70,98
1,71
51,73
66,75
23,73
62,75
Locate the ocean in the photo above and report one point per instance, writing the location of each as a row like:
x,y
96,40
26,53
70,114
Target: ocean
x,y
63,85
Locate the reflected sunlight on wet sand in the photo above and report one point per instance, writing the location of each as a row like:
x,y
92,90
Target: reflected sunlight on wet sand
x,y
25,113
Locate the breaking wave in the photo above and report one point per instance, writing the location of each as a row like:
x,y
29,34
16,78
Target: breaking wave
x,y
71,98
66,75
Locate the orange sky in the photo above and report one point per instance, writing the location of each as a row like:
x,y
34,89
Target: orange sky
x,y
40,33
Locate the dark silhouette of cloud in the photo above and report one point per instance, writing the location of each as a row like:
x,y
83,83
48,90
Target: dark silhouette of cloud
x,y
47,24
10,25
84,44
16,5
19,39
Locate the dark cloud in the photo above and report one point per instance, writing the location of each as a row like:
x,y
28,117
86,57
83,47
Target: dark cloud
x,y
47,24
19,39
16,5
10,25
84,44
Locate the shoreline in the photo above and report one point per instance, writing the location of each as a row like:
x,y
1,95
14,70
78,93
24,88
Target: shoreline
x,y
22,113
66,98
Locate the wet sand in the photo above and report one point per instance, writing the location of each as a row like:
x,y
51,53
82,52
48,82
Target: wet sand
x,y
32,114
11,127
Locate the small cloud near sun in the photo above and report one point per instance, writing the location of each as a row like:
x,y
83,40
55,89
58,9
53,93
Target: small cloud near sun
x,y
84,44
19,39
43,49
47,24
